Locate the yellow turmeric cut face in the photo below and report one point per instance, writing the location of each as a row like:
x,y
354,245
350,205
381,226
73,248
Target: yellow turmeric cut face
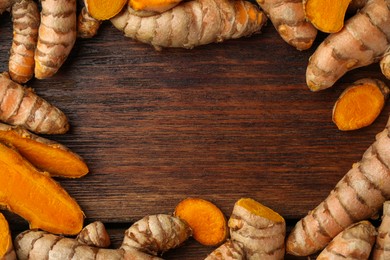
x,y
259,209
326,15
104,10
359,105
5,236
158,6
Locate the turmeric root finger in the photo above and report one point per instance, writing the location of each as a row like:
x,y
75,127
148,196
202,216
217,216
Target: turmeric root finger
x,y
362,41
208,224
357,196
35,196
355,242
56,36
260,230
156,234
25,15
196,23
21,106
381,248
288,17
360,104
104,10
87,26
154,6
94,234
44,154
385,63
227,251
6,248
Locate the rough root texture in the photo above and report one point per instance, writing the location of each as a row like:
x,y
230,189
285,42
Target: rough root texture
x,y
94,234
6,248
104,10
381,248
87,26
385,64
196,23
288,17
355,242
208,224
360,104
362,41
327,16
35,196
21,106
46,155
357,196
56,36
260,230
156,234
25,15
229,250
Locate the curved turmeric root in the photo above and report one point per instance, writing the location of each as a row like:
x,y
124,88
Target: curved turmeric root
x,y
46,155
362,41
25,15
56,36
260,230
87,26
153,6
196,23
94,234
380,251
355,242
35,196
21,106
104,10
360,104
288,17
6,248
208,224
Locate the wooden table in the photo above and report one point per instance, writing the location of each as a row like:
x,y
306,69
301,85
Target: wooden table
x,y
220,122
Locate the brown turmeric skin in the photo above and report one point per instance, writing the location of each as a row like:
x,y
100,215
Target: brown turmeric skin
x,y
35,196
87,26
360,104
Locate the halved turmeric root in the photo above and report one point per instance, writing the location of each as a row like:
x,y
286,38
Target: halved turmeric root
x,y
360,104
104,10
43,153
326,15
154,6
6,248
208,224
35,196
259,229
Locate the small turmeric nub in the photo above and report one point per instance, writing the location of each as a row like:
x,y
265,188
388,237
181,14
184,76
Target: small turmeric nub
x,y
87,26
104,10
326,15
208,224
158,6
6,248
360,104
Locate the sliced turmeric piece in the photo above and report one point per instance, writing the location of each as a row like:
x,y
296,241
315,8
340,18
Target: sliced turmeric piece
x,y
206,220
6,248
259,229
360,104
158,6
35,196
45,154
326,15
104,10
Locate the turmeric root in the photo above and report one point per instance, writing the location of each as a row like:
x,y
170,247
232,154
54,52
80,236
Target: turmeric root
x,y
288,17
381,248
357,196
94,234
154,6
26,18
356,5
260,230
35,196
44,154
362,41
327,16
227,251
21,106
360,104
56,36
385,64
196,23
6,248
355,242
156,234
208,224
104,10
87,26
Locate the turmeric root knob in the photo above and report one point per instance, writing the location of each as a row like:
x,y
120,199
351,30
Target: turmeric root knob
x,y
104,10
6,248
208,224
360,104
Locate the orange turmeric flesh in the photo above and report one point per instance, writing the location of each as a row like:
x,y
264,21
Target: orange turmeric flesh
x,y
6,248
44,154
326,15
258,209
104,10
360,104
158,6
35,196
208,224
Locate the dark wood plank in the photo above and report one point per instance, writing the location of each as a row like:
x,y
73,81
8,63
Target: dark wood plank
x,y
221,122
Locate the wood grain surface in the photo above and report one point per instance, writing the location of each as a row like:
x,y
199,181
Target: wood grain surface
x,y
220,122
